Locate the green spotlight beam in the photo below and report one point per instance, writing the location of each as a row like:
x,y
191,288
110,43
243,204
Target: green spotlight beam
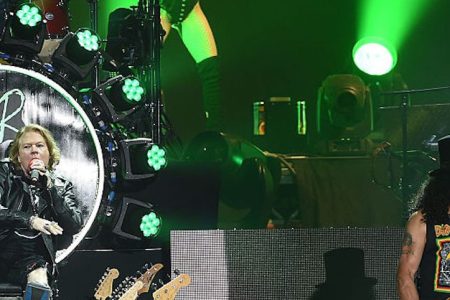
x,y
391,20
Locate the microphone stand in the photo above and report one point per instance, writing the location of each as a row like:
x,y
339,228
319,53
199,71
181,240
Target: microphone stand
x,y
404,105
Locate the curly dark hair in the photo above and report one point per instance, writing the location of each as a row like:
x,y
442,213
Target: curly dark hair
x,y
433,198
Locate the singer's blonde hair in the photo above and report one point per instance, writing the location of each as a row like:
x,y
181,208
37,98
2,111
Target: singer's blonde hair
x,y
53,150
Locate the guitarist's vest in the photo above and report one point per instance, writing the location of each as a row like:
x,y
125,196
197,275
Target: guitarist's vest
x,y
434,271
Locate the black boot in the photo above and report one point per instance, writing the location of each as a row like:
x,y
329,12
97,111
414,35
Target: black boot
x,y
208,70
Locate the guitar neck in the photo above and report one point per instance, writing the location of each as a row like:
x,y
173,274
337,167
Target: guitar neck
x,y
170,290
104,289
147,278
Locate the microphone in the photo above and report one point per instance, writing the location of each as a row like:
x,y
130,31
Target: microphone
x,y
34,173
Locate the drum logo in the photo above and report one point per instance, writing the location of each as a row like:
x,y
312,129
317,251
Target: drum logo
x,y
6,114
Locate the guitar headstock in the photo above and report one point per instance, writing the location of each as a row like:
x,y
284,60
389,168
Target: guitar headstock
x,y
170,290
104,288
132,292
148,276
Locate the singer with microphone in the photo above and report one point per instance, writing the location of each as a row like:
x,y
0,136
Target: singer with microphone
x,y
38,211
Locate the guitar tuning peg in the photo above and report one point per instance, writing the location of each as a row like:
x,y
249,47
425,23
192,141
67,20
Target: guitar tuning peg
x,y
153,286
108,269
176,272
160,282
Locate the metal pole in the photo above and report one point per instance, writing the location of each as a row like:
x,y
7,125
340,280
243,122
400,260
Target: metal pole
x,y
405,178
93,13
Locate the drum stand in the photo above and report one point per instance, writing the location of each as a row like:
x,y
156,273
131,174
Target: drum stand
x,y
405,185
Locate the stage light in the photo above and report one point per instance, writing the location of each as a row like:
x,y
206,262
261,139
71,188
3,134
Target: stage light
x,y
78,53
156,157
132,89
344,115
342,101
88,40
24,30
136,220
128,40
119,96
29,15
374,56
141,158
150,224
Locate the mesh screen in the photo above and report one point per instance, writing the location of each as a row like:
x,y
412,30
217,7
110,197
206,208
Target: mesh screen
x,y
284,263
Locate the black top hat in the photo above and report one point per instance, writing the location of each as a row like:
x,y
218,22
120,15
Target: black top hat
x,y
345,267
444,157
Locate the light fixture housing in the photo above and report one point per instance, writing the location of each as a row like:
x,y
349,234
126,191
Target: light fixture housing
x,y
136,220
141,158
119,96
78,53
24,30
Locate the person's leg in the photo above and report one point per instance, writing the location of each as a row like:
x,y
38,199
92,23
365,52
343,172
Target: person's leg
x,y
165,23
198,38
38,285
197,35
38,277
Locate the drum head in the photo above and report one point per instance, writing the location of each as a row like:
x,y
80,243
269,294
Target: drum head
x,y
30,97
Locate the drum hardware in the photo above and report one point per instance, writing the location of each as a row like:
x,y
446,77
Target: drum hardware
x,y
404,107
56,14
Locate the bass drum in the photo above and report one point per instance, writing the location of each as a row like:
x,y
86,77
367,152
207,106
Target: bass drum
x,y
30,97
57,17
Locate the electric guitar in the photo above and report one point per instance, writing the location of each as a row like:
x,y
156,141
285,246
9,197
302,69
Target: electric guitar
x,y
132,292
147,278
170,290
104,287
132,287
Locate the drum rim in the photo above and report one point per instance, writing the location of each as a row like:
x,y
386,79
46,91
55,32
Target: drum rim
x,y
91,130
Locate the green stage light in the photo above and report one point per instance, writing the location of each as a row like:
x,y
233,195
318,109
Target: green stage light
x,y
23,31
374,56
150,224
390,20
133,90
156,157
29,15
88,40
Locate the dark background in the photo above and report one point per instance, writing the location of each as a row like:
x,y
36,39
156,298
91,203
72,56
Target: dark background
x,y
287,48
